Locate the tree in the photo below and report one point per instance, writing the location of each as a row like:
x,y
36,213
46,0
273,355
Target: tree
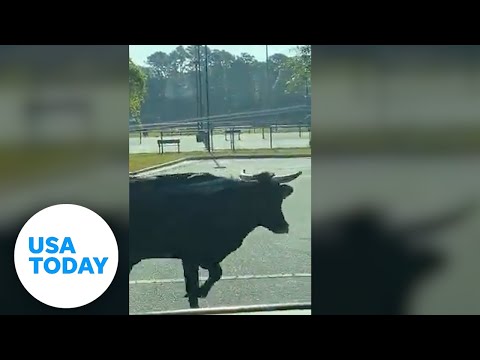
x,y
137,85
300,65
235,83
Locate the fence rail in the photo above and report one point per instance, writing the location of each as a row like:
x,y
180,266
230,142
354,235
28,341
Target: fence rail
x,y
234,137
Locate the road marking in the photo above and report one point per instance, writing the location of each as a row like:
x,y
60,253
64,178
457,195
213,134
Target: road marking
x,y
238,277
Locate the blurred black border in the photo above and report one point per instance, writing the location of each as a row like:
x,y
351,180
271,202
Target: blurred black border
x,y
277,24
355,272
330,23
15,299
46,69
329,28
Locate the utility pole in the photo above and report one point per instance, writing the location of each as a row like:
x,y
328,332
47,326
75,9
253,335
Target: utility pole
x,y
306,91
199,82
207,103
267,100
197,99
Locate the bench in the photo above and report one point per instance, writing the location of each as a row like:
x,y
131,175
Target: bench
x,y
235,131
161,143
143,132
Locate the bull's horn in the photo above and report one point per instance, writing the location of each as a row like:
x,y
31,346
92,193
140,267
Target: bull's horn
x,y
286,178
247,177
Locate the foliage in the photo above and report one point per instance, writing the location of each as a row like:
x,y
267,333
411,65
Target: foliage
x,y
300,65
137,84
176,91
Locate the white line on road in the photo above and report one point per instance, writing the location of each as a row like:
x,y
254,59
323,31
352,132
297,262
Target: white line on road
x,y
238,277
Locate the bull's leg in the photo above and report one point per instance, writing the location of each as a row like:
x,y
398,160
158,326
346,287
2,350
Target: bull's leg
x,y
214,274
190,272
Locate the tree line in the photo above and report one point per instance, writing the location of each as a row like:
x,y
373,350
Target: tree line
x,y
173,86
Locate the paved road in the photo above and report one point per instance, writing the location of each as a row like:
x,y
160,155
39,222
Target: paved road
x,y
263,253
247,141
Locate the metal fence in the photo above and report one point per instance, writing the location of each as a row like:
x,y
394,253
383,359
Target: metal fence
x,y
232,136
287,127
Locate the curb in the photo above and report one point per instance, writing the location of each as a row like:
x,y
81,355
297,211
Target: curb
x,y
159,166
193,158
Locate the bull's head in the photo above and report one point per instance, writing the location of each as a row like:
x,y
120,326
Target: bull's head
x,y
269,204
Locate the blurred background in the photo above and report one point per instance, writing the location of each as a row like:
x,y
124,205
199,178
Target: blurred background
x,y
63,113
396,142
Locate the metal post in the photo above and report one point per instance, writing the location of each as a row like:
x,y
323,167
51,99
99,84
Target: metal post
x,y
271,142
207,103
197,99
299,130
267,102
232,139
306,91
161,138
263,133
211,137
199,89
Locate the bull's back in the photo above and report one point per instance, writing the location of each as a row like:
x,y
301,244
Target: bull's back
x,y
200,217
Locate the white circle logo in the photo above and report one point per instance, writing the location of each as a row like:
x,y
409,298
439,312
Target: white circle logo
x,y
66,256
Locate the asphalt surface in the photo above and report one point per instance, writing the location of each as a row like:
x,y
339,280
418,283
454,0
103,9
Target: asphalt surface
x,y
267,269
247,141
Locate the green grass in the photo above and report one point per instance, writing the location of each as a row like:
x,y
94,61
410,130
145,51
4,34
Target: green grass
x,y
30,164
141,161
399,140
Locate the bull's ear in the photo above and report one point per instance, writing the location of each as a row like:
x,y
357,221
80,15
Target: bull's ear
x,y
286,190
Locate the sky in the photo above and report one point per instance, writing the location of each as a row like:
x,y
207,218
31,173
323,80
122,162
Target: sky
x,y
139,53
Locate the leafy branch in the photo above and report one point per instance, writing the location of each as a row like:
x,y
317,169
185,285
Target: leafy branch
x,y
137,83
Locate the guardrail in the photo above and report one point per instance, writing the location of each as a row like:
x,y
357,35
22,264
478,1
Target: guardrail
x,y
223,117
235,309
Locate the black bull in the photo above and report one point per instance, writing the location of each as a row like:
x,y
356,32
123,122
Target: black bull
x,y
201,219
